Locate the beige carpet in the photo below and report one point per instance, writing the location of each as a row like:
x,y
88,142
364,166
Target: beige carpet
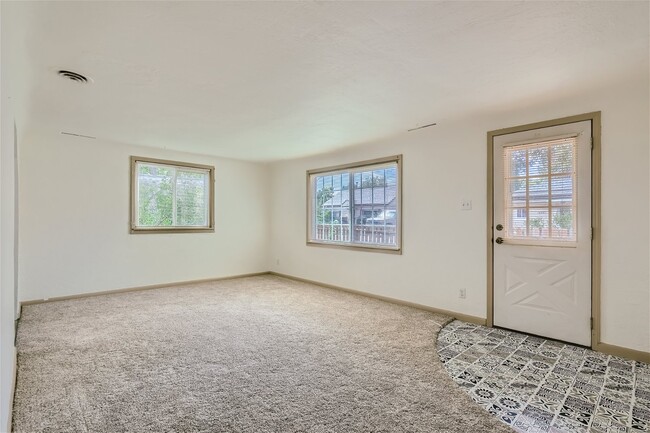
x,y
258,354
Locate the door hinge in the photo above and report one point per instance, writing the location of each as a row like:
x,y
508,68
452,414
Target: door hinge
x,y
592,234
591,139
591,323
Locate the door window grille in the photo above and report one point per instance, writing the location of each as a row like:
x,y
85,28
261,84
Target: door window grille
x,y
540,190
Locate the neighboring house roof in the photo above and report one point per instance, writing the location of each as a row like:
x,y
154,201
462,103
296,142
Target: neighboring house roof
x,y
565,193
364,196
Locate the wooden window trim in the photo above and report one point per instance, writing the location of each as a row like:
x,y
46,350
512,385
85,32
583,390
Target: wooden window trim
x,y
134,229
357,246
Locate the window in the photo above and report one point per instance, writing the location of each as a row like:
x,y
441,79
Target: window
x,y
540,197
170,196
356,205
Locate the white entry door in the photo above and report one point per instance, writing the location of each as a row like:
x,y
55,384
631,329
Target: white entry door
x,y
542,232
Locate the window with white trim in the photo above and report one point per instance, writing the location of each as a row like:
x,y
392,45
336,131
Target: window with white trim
x,y
171,196
356,205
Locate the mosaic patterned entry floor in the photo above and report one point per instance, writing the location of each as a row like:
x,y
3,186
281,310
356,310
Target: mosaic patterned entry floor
x,y
537,385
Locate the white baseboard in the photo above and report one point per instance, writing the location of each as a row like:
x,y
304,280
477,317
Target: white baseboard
x,y
136,289
461,316
600,347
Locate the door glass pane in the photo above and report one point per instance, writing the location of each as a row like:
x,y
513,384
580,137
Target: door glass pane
x,y
538,161
562,158
516,222
517,162
563,223
538,223
539,191
517,192
562,187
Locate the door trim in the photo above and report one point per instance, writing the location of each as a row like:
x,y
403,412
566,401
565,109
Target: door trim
x,y
595,118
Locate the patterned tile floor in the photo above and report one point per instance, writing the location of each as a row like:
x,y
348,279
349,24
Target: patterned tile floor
x,y
537,385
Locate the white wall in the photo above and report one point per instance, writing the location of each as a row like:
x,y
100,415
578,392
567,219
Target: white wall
x,y
8,220
74,232
444,247
7,257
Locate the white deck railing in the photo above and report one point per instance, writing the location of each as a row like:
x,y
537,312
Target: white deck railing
x,y
365,233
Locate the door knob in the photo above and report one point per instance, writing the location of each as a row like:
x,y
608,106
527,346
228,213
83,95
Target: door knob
x,y
499,227
499,240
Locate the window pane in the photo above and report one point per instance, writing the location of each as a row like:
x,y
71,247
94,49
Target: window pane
x,y
155,196
363,211
191,200
391,176
363,196
331,216
337,182
171,196
390,197
328,184
378,193
378,178
324,195
366,179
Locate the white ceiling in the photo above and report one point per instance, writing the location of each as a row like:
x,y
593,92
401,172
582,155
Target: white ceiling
x,y
270,80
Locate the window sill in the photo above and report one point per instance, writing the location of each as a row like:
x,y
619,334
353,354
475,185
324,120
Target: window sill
x,y
357,247
171,230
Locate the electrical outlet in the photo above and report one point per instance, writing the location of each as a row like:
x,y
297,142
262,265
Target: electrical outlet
x,y
466,205
462,293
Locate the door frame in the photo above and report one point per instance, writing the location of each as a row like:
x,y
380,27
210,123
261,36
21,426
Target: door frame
x,y
595,118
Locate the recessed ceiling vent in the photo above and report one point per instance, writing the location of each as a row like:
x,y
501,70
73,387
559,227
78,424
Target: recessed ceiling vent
x,y
73,76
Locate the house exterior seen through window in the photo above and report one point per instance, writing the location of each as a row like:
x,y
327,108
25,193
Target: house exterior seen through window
x,y
356,205
539,191
170,196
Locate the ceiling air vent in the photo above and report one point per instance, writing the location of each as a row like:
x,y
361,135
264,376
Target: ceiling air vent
x,y
73,76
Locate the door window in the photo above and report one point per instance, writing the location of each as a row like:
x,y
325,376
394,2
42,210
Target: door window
x,y
540,191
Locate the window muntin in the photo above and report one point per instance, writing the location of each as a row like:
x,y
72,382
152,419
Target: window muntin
x,y
540,191
356,205
171,196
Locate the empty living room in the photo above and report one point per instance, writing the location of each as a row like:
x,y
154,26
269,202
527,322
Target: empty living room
x,y
325,216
